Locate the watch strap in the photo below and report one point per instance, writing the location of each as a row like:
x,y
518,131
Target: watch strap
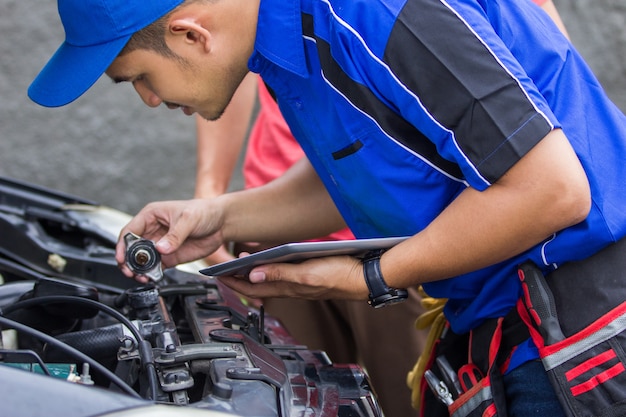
x,y
380,293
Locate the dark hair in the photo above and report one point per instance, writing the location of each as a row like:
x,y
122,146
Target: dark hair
x,y
152,37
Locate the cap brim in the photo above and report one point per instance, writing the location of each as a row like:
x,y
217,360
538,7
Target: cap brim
x,y
71,71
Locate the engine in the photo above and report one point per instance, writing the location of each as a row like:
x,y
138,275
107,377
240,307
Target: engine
x,y
81,339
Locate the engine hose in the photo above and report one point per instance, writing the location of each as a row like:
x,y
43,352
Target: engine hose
x,y
101,342
70,350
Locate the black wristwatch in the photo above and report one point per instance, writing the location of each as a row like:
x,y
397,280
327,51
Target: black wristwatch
x,y
380,294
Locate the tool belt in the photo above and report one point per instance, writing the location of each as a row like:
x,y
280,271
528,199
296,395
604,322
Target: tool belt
x,y
577,318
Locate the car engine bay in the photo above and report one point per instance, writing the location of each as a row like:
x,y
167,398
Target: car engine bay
x,y
81,339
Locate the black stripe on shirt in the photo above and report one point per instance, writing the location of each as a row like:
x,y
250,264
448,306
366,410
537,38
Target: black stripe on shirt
x,y
361,97
493,120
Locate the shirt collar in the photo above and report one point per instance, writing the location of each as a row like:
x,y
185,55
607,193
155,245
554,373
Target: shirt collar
x,y
279,34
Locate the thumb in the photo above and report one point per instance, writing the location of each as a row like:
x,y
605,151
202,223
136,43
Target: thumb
x,y
257,276
164,246
274,272
174,238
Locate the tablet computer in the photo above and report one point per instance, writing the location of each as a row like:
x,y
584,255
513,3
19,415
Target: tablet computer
x,y
298,252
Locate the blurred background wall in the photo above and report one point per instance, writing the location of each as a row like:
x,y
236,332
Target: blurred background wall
x,y
109,147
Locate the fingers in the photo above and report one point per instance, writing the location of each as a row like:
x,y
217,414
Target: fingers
x,y
150,223
257,276
338,277
179,229
180,220
243,286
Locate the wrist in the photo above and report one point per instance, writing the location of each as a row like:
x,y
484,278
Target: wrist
x,y
380,294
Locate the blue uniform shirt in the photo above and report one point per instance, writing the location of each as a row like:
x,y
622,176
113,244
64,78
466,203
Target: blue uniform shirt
x,y
402,104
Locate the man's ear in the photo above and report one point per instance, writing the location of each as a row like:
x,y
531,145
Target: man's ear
x,y
191,32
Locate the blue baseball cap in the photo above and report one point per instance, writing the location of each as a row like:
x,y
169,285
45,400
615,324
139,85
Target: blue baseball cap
x,y
95,33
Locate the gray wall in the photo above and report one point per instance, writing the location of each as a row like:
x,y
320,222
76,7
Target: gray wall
x,y
108,147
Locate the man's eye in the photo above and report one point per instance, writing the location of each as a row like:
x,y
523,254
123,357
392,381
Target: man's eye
x,y
138,78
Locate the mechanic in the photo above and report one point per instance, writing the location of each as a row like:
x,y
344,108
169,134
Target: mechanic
x,y
346,330
473,126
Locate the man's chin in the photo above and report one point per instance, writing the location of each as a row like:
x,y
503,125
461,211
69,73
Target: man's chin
x,y
209,116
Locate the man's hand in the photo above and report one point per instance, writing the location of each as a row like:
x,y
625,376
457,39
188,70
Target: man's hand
x,y
332,277
183,231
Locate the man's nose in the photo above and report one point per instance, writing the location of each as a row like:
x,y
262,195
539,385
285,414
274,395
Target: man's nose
x,y
148,97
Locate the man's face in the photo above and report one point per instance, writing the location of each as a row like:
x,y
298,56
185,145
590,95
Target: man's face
x,y
191,84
